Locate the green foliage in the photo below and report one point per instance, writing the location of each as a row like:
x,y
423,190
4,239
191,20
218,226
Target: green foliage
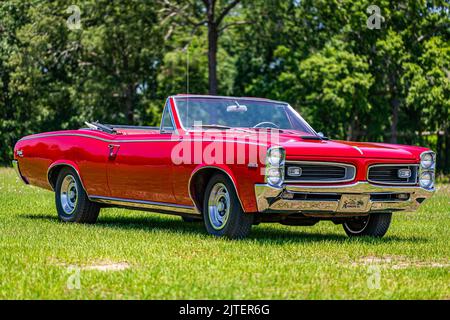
x,y
56,78
336,83
349,81
176,68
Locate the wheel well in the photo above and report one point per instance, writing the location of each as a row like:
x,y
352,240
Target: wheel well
x,y
53,174
54,171
198,183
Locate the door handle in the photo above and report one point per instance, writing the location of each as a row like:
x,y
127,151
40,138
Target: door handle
x,y
113,149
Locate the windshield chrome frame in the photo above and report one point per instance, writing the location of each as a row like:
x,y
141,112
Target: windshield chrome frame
x,y
304,121
175,98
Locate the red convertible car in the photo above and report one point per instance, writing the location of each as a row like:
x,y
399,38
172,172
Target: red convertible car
x,y
231,162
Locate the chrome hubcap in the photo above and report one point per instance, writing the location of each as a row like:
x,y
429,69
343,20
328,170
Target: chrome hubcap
x,y
69,194
219,206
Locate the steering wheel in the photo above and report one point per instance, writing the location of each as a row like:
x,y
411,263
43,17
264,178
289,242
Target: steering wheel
x,y
264,125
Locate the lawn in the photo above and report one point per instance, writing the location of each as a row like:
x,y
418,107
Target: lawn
x,y
140,255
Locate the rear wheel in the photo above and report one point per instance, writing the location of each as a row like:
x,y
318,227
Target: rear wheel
x,y
72,202
373,225
222,211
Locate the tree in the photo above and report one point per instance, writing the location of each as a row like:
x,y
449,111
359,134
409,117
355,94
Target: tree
x,y
56,78
428,83
122,50
106,70
16,118
210,13
286,35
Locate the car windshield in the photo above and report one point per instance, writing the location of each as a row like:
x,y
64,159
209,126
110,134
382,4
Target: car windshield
x,y
225,113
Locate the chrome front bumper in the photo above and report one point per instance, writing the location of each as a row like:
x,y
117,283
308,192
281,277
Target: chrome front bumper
x,y
15,165
350,199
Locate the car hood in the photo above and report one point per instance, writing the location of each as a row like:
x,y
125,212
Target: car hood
x,y
296,146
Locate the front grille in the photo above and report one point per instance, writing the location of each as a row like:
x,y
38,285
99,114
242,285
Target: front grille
x,y
318,172
389,174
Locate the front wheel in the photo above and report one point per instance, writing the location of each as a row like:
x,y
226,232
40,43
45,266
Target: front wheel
x,y
72,202
222,211
373,225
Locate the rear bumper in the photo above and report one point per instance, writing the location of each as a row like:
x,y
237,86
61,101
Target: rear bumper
x,y
357,198
15,165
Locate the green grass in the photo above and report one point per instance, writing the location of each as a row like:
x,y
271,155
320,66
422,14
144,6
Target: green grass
x,y
169,259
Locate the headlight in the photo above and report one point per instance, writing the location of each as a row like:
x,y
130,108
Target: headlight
x,y
275,166
426,180
427,160
274,176
275,156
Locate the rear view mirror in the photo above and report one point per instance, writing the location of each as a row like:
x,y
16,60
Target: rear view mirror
x,y
237,108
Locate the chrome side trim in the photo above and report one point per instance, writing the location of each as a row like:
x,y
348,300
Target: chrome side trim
x,y
44,135
394,165
128,202
210,167
337,164
15,165
271,199
151,205
68,165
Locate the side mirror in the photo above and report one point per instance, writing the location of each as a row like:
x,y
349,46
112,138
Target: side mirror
x,y
322,136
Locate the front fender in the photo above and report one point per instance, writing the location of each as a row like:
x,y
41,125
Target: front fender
x,y
244,186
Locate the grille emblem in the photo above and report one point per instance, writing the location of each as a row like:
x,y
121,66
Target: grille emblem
x,y
404,173
294,171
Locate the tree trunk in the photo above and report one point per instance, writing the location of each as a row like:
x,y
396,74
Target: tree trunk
x,y
212,58
395,106
213,36
351,130
129,103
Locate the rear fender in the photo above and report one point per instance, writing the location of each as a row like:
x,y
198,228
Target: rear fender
x,y
56,166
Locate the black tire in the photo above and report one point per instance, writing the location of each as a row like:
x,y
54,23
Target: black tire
x,y
83,211
373,225
238,224
191,220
